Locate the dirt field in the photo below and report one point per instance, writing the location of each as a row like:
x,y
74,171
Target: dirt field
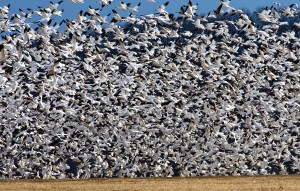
x,y
262,183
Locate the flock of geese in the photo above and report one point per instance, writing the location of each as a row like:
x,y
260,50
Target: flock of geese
x,y
143,96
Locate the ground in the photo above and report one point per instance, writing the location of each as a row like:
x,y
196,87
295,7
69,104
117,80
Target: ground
x,y
245,183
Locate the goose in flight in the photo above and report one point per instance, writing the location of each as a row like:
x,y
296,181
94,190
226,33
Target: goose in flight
x,y
54,6
135,8
191,9
76,1
161,9
223,4
105,3
4,11
123,6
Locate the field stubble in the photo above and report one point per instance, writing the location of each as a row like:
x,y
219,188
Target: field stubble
x,y
245,183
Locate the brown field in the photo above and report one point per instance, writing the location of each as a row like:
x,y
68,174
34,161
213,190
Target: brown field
x,y
261,183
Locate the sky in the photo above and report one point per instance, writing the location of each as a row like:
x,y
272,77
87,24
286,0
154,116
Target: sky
x,y
204,6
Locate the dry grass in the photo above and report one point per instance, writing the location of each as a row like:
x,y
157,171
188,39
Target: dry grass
x,y
261,183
